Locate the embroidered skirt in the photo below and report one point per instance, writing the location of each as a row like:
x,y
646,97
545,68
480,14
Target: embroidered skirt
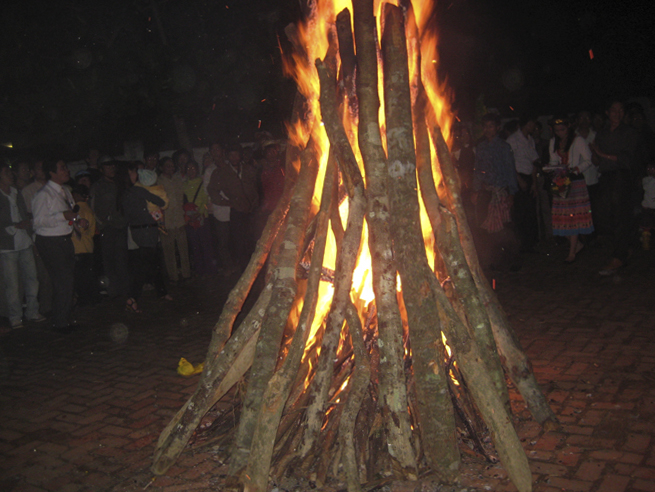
x,y
572,215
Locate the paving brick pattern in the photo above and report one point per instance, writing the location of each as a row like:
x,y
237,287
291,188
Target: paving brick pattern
x,y
83,413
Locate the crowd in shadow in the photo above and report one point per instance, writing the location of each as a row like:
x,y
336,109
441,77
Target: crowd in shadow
x,y
585,177
118,227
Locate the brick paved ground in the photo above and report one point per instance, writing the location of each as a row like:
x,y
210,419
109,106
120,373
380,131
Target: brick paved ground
x,y
82,412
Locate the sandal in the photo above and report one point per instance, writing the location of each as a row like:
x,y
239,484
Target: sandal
x,y
131,306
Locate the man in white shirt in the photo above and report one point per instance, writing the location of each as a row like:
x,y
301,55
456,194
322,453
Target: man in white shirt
x,y
16,257
525,208
54,215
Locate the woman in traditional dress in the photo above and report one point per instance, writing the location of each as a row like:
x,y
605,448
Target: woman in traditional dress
x,y
571,156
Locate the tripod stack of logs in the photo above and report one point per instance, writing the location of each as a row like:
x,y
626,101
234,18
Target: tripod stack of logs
x,y
355,389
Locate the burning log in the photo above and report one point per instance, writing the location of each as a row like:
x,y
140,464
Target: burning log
x,y
348,372
393,390
435,409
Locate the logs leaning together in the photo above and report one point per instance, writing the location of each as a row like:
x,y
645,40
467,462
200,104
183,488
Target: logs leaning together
x,y
470,317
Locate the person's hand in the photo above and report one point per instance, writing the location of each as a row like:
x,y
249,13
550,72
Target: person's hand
x,y
83,224
23,224
70,215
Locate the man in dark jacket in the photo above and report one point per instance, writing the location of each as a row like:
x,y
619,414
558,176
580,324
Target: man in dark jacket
x,y
113,230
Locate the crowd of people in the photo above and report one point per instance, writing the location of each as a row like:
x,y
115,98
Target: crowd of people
x,y
159,221
153,223
595,174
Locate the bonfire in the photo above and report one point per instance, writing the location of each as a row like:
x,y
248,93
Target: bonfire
x,y
376,331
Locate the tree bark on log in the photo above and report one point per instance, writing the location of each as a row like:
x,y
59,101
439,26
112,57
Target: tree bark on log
x,y
346,256
279,386
231,364
392,387
491,407
358,383
516,363
436,415
277,313
217,363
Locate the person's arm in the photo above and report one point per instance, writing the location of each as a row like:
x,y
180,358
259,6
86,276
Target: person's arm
x,y
581,155
141,192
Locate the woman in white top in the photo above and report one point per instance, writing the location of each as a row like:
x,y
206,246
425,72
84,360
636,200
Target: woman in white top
x,y
571,213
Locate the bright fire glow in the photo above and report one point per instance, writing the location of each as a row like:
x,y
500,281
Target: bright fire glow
x,y
310,42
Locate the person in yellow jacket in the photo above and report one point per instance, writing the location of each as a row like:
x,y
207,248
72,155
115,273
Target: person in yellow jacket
x,y
84,229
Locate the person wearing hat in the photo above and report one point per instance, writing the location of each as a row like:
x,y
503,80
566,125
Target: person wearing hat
x,y
83,177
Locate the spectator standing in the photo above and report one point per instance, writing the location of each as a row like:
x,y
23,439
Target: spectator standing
x,y
525,206
53,209
16,257
613,150
591,174
86,282
23,175
647,218
151,160
571,211
272,186
175,235
494,184
181,159
220,211
197,226
146,258
39,182
105,199
45,284
234,184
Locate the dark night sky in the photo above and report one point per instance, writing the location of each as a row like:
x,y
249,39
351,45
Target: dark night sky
x,y
81,73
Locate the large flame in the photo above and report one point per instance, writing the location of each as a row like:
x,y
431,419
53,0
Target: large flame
x,y
310,42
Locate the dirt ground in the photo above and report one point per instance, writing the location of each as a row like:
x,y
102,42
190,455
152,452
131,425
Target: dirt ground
x,y
83,412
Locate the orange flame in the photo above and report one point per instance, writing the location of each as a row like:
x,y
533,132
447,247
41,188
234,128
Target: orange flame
x,y
310,41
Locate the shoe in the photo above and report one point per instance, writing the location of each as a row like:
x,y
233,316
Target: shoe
x,y
614,265
132,306
15,325
37,319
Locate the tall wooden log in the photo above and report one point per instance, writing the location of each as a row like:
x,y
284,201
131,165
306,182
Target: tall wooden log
x,y
284,293
231,364
516,363
277,391
483,391
451,252
436,413
392,387
358,384
346,256
218,362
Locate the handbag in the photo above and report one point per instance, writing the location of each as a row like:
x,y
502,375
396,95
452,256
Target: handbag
x,y
192,217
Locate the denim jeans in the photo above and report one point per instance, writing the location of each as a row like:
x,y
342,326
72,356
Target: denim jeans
x,y
15,263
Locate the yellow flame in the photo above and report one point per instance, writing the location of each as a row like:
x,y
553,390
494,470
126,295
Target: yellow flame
x,y
310,41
